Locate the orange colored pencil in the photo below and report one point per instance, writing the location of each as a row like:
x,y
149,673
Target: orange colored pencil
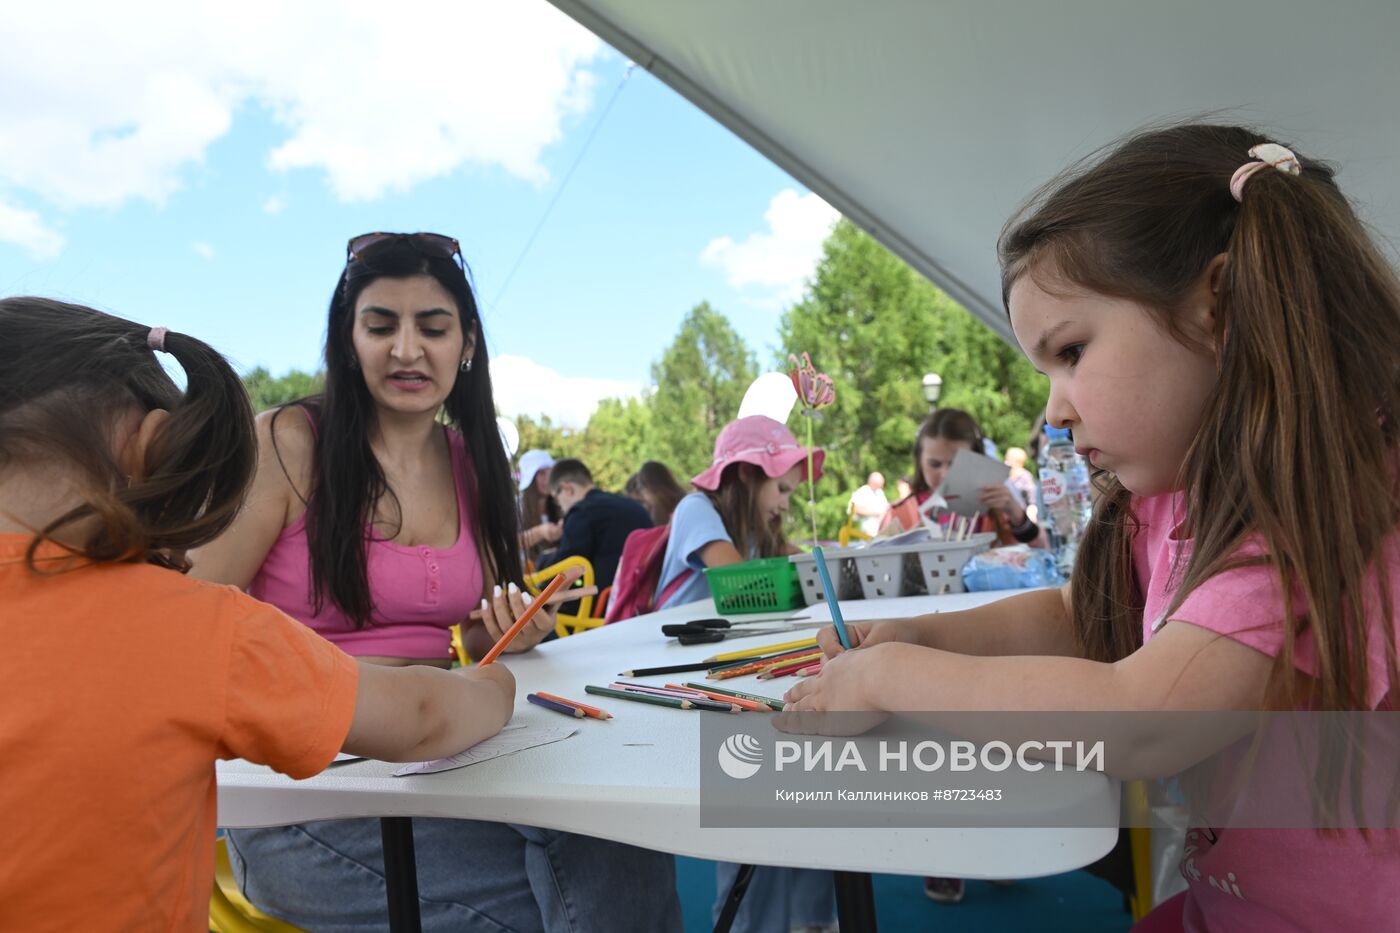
x,y
536,604
592,711
726,698
759,667
782,670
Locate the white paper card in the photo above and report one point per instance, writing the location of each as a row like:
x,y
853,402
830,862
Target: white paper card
x,y
966,477
508,741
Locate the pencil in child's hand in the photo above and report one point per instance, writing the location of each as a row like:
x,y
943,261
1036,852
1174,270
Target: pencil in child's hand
x,y
536,604
831,601
565,708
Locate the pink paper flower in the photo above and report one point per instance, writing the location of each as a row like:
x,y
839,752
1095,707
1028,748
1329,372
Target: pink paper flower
x,y
814,390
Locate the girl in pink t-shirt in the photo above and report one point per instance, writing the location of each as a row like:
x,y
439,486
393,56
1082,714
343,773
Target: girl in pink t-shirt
x,y
1220,333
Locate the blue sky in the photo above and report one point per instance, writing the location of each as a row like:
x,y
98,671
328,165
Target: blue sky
x,y
204,174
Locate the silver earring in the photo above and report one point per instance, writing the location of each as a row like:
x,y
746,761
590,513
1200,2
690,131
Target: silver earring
x,y
466,366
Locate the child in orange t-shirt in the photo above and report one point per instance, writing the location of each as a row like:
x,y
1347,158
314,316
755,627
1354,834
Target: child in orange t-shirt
x,y
108,474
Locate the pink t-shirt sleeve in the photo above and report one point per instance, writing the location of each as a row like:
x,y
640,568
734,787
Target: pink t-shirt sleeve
x,y
1245,603
290,694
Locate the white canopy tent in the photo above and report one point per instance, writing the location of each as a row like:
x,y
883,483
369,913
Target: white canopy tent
x,y
927,122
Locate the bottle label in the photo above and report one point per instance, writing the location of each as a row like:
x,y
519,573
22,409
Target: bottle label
x,y
1052,486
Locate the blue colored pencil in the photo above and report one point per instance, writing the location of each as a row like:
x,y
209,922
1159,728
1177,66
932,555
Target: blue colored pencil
x,y
831,598
564,708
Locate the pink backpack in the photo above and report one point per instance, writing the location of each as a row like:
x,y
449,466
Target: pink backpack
x,y
639,572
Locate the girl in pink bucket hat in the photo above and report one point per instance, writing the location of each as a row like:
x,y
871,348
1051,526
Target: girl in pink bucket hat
x,y
737,515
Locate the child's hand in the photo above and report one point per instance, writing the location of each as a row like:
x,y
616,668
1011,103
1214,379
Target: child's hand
x,y
498,675
866,634
843,684
1003,500
505,606
551,532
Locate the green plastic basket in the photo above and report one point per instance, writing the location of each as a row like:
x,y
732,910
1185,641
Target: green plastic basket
x,y
766,585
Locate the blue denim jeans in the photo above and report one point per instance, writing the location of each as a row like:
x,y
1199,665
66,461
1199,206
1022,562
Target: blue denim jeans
x,y
778,899
328,877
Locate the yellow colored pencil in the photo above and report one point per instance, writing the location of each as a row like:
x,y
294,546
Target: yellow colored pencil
x,y
766,649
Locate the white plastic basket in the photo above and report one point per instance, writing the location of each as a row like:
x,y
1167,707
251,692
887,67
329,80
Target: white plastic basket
x,y
839,564
942,562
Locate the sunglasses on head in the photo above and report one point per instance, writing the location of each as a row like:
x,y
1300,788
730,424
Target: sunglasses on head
x,y
429,244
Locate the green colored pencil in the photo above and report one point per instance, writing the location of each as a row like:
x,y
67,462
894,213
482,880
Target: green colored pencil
x,y
769,701
652,698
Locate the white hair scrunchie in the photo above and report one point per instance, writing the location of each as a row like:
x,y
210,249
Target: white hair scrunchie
x,y
1268,155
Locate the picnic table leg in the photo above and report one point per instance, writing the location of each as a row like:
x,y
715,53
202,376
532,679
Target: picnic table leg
x,y
400,874
855,902
735,898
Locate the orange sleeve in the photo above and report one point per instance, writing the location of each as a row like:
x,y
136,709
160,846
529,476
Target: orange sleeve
x,y
290,694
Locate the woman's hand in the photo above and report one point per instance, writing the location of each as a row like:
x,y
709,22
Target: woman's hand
x,y
1004,501
867,634
505,606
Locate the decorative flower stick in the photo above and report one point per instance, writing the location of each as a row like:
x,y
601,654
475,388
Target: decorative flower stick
x,y
815,391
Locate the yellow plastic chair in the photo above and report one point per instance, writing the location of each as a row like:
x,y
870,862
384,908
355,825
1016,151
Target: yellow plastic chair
x,y
229,910
568,624
850,532
1140,845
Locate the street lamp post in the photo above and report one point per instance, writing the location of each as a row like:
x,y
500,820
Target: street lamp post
x,y
933,387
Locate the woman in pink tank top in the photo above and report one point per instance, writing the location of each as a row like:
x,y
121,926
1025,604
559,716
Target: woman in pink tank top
x,y
379,526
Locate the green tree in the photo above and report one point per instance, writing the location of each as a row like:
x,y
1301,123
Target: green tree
x,y
876,326
266,391
700,380
618,440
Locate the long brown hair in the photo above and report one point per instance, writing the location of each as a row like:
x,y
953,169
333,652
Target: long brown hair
x,y
657,480
1297,443
736,501
950,424
67,373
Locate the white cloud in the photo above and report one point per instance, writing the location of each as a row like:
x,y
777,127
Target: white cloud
x,y
771,266
524,387
275,204
26,229
376,99
203,249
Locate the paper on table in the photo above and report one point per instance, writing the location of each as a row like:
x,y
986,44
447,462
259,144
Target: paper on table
x,y
508,741
966,477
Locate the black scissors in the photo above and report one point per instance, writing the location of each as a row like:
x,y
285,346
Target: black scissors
x,y
705,631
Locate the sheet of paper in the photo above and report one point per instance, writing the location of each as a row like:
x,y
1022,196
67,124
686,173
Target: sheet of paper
x,y
508,741
345,756
968,474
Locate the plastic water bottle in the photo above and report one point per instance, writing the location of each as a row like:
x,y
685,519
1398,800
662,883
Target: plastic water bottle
x,y
1064,495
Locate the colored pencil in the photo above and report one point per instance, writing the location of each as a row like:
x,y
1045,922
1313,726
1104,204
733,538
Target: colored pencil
x,y
750,705
786,669
765,649
810,670
772,703
698,700
590,711
535,605
778,656
673,702
758,667
668,669
831,601
564,708
565,596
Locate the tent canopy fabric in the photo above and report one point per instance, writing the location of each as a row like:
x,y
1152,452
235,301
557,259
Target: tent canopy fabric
x,y
928,123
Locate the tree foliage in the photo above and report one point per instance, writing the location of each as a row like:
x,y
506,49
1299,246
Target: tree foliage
x,y
267,391
876,327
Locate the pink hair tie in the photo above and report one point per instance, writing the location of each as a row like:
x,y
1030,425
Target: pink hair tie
x,y
1269,155
156,338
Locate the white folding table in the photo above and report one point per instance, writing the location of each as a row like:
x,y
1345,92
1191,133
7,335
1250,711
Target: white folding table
x,y
635,778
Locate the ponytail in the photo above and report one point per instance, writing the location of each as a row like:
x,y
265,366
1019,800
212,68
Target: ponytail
x,y
68,373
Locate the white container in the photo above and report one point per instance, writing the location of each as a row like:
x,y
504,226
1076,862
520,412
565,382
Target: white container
x,y
942,561
839,564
